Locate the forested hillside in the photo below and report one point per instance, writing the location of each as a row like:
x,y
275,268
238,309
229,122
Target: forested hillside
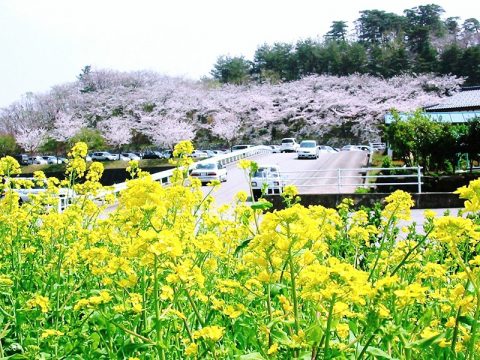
x,y
145,109
422,40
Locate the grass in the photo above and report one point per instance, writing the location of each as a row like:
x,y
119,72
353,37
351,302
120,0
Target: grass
x,y
29,169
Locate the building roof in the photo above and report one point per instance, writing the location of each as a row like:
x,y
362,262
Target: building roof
x,y
466,99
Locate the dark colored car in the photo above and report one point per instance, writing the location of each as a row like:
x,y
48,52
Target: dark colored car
x,y
152,154
22,159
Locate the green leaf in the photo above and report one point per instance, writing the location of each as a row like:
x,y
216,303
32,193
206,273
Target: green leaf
x,y
466,320
315,333
95,340
277,288
424,343
261,205
378,353
252,356
281,337
243,245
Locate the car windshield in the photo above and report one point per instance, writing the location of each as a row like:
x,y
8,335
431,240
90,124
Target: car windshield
x,y
285,141
266,172
206,166
307,144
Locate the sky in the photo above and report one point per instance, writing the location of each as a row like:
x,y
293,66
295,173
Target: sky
x,y
47,42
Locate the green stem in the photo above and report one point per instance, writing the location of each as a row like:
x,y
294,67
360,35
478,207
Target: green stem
x,y
270,317
407,255
294,290
155,299
471,345
455,332
367,344
195,310
327,331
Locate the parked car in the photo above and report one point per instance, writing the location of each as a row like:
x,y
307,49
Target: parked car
x,y
22,159
37,160
378,146
350,148
275,148
308,149
207,172
212,153
366,148
240,147
152,154
267,178
50,159
167,154
289,145
103,156
199,154
130,156
326,149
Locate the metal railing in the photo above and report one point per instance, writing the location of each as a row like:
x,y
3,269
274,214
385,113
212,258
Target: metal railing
x,y
358,177
224,159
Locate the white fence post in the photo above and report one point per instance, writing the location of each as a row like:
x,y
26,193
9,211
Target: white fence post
x,y
339,179
419,179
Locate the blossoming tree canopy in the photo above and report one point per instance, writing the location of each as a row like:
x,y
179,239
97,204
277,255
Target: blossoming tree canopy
x,y
167,109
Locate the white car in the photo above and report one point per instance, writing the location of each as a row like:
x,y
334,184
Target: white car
x,y
308,150
289,145
268,180
130,156
275,148
207,172
53,159
198,154
326,149
350,148
37,160
103,156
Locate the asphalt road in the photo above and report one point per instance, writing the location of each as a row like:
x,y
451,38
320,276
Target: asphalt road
x,y
310,176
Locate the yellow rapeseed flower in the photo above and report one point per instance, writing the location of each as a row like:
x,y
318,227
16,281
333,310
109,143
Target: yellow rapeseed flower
x,y
212,333
191,349
40,301
472,195
50,332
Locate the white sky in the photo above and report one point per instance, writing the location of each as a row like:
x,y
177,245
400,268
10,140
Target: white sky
x,y
48,42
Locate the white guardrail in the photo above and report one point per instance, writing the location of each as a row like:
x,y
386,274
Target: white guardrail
x,y
360,177
224,159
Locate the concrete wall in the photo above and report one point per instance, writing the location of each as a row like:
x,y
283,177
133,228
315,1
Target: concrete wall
x,y
422,201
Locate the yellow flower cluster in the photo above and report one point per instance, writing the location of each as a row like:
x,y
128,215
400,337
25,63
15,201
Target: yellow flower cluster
x,y
166,275
39,301
209,333
472,195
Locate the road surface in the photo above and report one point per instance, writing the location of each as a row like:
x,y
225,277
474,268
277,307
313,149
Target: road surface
x,y
318,176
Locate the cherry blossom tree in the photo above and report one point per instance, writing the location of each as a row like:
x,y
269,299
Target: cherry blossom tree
x,y
165,132
226,126
66,126
329,108
30,139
